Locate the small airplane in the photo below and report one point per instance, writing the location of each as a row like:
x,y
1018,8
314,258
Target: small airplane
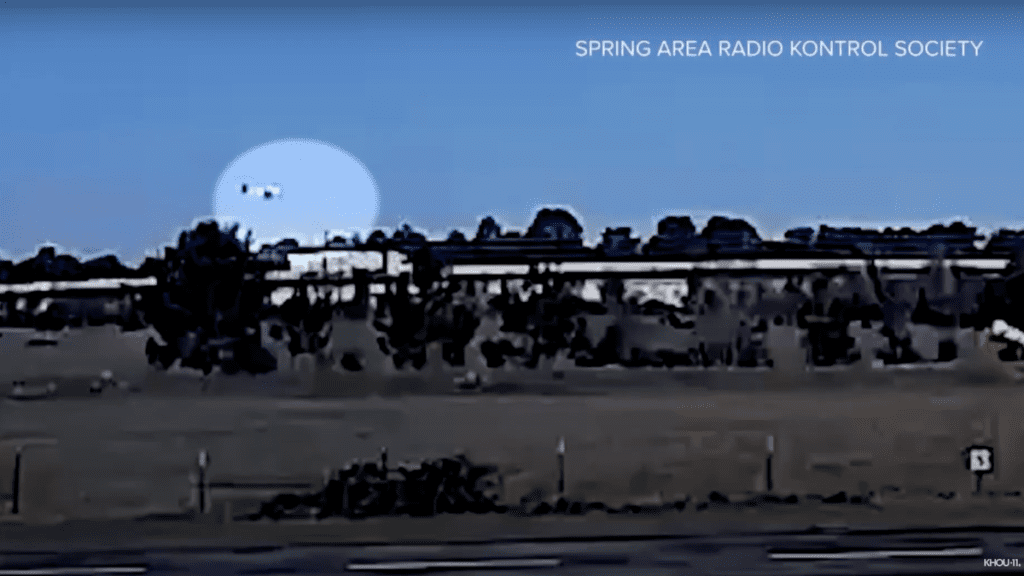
x,y
267,192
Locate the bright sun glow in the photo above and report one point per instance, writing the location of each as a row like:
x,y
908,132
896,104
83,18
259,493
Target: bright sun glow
x,y
296,188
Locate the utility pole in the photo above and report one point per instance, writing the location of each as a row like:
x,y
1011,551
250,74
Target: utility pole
x,y
768,463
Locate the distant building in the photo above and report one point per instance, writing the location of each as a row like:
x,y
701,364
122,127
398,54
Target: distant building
x,y
335,261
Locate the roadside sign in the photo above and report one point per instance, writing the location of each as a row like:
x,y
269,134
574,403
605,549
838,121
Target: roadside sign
x,y
979,459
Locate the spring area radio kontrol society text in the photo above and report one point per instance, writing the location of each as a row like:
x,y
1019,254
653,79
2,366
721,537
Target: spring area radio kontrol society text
x,y
776,48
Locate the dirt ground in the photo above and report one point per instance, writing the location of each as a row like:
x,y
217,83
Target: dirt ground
x,y
636,435
128,456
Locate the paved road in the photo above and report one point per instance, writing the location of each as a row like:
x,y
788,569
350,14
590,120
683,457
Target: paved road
x,y
805,552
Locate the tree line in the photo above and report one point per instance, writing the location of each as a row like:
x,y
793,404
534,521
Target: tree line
x,y
211,302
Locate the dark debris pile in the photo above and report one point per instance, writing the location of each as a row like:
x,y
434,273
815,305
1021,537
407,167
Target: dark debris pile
x,y
457,486
364,489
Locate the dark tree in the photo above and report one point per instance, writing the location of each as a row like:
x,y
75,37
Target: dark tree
x,y
730,234
47,265
720,224
618,242
377,238
203,310
407,236
308,322
676,235
555,224
488,230
105,267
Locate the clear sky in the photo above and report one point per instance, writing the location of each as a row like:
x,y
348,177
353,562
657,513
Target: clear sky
x,y
118,122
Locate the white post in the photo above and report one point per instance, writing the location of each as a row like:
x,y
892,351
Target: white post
x,y
561,465
204,461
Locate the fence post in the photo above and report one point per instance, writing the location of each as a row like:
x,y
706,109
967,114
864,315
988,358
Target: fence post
x,y
16,482
204,461
561,466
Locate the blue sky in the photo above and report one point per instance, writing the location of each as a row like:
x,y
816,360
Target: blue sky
x,y
118,122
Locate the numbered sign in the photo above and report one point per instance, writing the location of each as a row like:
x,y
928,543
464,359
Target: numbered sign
x,y
979,459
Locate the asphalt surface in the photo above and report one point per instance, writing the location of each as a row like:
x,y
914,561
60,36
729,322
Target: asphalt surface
x,y
815,551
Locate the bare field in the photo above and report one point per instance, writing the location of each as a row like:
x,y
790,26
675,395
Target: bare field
x,y
128,456
631,435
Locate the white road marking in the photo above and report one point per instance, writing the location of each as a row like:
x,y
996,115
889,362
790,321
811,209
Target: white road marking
x,y
454,565
83,571
877,554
